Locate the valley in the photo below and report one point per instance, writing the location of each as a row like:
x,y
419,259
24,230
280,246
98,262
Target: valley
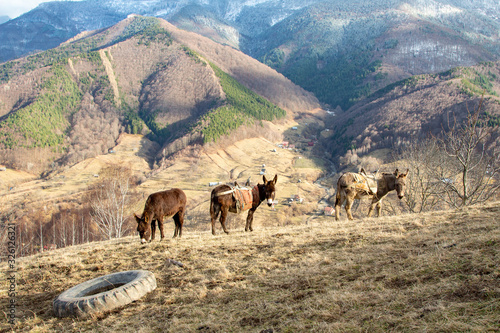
x,y
238,162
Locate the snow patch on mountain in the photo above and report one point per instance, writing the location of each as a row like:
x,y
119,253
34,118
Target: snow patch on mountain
x,y
431,9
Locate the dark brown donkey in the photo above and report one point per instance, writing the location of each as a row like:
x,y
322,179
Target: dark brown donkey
x,y
158,205
352,186
223,200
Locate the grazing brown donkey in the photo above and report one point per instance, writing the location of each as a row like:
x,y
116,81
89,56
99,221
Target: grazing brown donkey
x,y
224,199
158,205
352,186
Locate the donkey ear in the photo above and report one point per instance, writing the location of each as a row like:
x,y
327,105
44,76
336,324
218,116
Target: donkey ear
x,y
396,173
406,174
264,178
275,179
137,218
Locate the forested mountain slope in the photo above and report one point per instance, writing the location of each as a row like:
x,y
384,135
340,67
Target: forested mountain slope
x,y
142,75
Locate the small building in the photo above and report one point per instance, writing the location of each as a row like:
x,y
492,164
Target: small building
x,y
296,198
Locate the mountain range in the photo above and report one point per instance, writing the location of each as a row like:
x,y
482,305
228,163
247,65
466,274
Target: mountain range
x,y
179,69
340,50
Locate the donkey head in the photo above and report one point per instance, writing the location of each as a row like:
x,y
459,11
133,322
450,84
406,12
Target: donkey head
x,y
143,227
400,183
269,187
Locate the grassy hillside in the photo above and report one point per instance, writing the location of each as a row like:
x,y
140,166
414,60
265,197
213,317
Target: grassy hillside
x,y
414,108
410,273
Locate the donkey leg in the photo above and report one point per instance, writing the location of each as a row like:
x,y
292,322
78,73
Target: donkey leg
x,y
153,229
350,195
214,213
248,226
348,206
160,226
223,216
372,206
179,221
379,208
176,225
339,201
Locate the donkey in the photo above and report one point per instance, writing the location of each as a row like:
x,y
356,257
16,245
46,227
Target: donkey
x,y
388,182
222,201
158,205
352,186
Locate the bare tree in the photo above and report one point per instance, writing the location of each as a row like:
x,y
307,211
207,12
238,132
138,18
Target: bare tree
x,y
422,158
472,175
108,201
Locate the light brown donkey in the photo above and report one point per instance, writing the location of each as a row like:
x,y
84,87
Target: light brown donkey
x,y
352,186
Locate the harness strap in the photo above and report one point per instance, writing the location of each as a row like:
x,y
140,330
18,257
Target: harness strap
x,y
233,189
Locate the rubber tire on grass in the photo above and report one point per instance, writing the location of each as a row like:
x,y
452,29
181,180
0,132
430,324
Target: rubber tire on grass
x,y
118,289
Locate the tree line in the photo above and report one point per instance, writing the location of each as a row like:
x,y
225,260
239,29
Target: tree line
x,y
104,213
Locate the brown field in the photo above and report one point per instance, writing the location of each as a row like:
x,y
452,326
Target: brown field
x,y
436,272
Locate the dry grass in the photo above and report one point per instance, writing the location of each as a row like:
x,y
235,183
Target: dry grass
x,y
434,272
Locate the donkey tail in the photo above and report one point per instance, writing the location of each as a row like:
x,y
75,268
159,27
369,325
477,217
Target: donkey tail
x,y
341,187
338,196
212,196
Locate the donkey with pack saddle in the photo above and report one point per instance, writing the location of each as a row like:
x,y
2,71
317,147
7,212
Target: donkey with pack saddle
x,y
227,198
352,186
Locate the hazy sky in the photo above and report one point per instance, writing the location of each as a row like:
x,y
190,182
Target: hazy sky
x,y
14,8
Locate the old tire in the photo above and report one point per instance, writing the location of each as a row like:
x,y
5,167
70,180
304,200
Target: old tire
x,y
104,293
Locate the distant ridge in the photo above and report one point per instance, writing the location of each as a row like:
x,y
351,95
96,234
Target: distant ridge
x,y
340,51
